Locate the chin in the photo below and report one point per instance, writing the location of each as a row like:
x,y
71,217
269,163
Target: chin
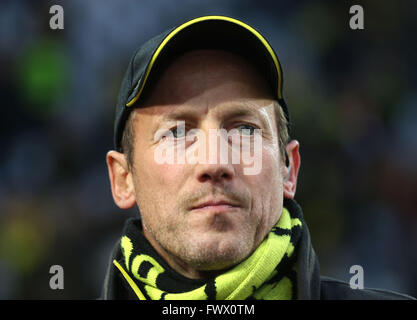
x,y
217,253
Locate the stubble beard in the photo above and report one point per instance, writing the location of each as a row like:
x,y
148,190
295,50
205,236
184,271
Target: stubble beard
x,y
217,252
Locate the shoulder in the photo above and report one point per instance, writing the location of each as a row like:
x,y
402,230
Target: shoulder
x,y
333,289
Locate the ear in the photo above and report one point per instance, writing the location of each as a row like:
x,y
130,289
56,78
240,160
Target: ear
x,y
120,180
291,172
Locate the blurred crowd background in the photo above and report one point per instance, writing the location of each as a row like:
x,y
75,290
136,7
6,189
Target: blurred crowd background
x,y
352,96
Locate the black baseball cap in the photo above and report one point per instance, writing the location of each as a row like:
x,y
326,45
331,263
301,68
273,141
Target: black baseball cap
x,y
207,32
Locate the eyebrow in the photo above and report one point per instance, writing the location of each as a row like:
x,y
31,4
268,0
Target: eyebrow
x,y
235,110
190,113
242,110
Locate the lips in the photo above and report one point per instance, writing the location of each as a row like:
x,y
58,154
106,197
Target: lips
x,y
216,205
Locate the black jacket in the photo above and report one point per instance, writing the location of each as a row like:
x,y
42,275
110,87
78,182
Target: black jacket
x,y
311,286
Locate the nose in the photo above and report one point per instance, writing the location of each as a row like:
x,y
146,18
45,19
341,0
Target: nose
x,y
214,172
218,166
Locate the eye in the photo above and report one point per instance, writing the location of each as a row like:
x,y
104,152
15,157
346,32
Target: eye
x,y
178,132
246,129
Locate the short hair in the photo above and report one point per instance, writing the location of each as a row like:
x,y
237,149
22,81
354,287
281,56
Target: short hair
x,y
128,137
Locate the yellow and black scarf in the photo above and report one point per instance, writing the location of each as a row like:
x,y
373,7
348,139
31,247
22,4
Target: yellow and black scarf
x,y
269,273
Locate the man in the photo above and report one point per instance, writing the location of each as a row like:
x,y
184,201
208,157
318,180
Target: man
x,y
203,149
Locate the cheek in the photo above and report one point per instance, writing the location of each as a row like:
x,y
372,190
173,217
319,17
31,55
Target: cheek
x,y
157,184
155,175
269,175
266,187
272,173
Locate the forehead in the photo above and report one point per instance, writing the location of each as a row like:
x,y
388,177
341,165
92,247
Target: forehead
x,y
210,75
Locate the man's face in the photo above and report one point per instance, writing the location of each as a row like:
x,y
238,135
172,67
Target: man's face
x,y
206,216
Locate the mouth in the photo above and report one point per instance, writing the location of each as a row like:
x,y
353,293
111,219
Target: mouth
x,y
218,206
